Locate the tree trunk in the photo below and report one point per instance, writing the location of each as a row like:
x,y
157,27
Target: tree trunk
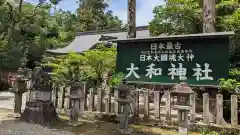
x,y
131,18
209,16
17,103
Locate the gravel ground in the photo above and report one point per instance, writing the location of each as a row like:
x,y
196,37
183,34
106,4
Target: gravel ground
x,y
22,128
7,100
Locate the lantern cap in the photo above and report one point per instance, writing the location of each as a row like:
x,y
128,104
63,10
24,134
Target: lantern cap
x,y
122,87
182,88
123,101
75,96
27,69
39,87
182,107
73,83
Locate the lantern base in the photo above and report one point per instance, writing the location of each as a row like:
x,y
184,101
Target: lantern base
x,y
124,131
39,112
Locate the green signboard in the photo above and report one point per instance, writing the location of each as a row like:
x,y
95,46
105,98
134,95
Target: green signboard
x,y
196,59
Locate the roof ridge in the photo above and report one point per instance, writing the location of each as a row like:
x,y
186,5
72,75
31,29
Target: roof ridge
x,y
139,28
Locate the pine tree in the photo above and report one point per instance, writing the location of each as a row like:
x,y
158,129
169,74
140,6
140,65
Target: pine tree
x,y
92,16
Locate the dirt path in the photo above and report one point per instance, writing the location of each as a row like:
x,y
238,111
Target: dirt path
x,y
105,128
6,114
7,123
7,100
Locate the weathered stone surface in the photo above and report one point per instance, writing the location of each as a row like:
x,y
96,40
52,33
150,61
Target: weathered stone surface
x,y
206,112
168,106
67,100
107,103
91,100
116,106
219,116
136,104
193,106
234,110
99,99
75,110
61,97
146,104
157,104
39,112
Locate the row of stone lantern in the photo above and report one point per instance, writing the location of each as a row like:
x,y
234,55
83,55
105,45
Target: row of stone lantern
x,y
21,83
37,84
41,85
182,91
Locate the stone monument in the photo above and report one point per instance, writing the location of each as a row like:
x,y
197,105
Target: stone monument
x,y
182,91
39,109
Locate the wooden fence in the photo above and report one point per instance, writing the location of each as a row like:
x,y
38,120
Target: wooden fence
x,y
150,105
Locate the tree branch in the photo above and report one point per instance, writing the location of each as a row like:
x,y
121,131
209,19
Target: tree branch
x,y
35,9
12,22
20,7
11,10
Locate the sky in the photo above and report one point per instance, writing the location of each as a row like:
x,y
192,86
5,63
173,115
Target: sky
x,y
119,8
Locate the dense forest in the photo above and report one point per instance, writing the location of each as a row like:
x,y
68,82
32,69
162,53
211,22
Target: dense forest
x,y
27,30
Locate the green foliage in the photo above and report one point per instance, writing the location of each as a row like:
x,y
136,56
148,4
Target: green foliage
x,y
208,132
99,61
28,30
92,64
219,131
176,17
229,84
111,22
185,17
235,72
66,68
232,83
92,16
115,79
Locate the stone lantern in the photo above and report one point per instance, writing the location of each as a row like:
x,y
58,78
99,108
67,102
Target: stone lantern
x,y
124,101
76,99
19,86
19,82
182,91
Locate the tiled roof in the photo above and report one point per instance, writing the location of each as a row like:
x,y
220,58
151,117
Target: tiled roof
x,y
85,40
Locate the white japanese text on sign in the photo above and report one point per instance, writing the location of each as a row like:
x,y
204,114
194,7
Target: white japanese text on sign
x,y
201,73
167,52
174,53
